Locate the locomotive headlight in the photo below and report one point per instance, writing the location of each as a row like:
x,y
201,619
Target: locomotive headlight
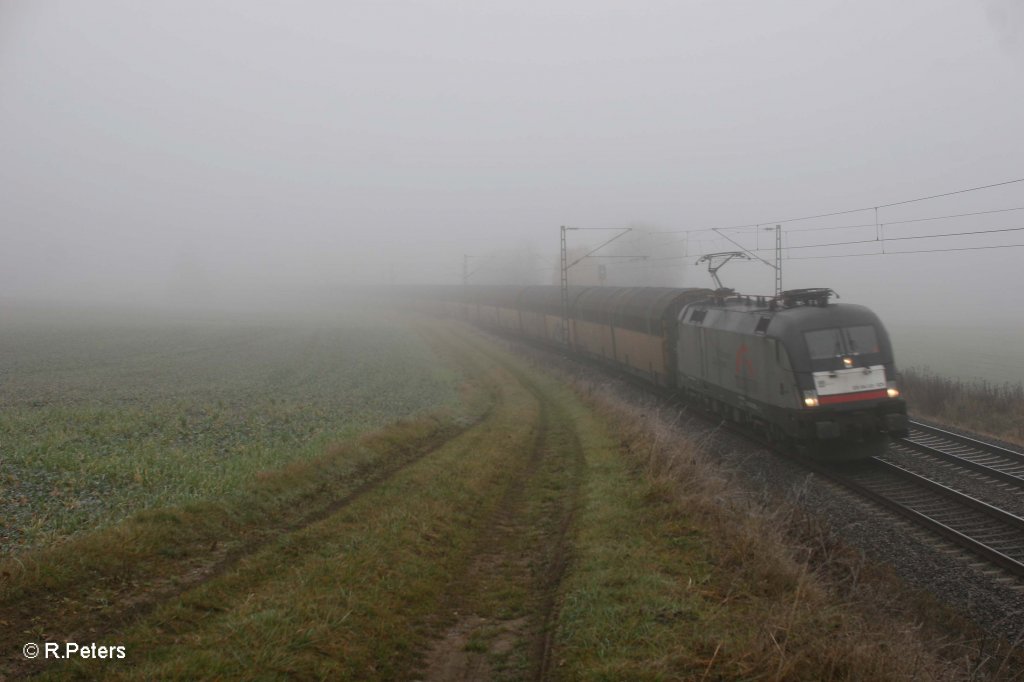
x,y
892,391
847,362
810,398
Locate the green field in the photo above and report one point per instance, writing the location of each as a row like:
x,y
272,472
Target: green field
x,y
103,417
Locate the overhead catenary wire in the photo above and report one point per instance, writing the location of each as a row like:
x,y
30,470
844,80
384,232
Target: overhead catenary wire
x,y
598,247
827,228
904,222
763,223
889,205
899,253
880,238
896,239
859,255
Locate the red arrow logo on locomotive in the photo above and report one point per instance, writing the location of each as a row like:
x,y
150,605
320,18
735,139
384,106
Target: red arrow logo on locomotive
x,y
743,363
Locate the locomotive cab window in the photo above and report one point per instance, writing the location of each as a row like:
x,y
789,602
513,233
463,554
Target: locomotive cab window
x,y
829,343
824,343
762,325
860,339
697,316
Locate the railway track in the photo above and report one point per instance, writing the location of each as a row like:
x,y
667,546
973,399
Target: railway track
x,y
972,524
963,452
989,532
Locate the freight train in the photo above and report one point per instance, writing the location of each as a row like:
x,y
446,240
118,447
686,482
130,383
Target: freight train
x,y
803,371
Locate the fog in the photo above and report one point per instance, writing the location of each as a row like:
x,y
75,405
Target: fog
x,y
234,153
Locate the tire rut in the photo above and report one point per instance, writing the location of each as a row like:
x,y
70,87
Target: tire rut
x,y
504,604
138,606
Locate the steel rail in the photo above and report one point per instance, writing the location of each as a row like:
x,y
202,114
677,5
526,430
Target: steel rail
x,y
955,495
967,440
978,458
962,462
987,552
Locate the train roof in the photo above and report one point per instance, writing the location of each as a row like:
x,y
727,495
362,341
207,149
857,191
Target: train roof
x,y
548,299
633,307
788,324
630,307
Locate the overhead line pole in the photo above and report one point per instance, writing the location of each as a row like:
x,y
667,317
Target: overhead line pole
x,y
565,265
565,290
778,260
465,286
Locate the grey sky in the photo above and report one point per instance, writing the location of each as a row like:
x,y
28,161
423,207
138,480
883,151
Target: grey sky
x,y
258,146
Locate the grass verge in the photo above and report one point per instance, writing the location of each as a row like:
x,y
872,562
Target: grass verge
x,y
680,574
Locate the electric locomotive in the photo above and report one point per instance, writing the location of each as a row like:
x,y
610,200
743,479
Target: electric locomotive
x,y
807,372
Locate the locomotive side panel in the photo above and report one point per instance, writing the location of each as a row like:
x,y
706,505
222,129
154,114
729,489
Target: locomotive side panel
x,y
736,371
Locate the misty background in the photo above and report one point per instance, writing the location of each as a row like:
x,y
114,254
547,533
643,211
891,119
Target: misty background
x,y
237,154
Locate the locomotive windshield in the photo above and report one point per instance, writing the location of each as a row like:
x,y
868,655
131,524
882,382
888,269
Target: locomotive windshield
x,y
829,343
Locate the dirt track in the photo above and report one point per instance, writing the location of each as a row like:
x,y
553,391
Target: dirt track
x,y
502,606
